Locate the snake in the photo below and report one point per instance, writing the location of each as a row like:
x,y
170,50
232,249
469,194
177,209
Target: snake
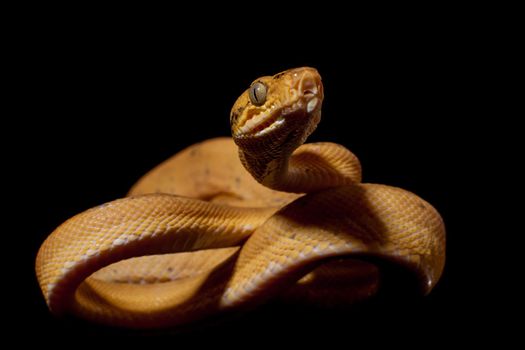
x,y
231,223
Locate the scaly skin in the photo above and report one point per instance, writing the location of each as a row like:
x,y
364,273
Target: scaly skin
x,y
229,223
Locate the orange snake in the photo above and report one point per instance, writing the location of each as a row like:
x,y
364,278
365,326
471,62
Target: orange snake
x,y
199,234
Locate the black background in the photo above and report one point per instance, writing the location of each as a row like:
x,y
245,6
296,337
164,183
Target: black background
x,y
100,107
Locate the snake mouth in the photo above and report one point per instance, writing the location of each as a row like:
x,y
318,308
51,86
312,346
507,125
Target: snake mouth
x,y
277,117
264,122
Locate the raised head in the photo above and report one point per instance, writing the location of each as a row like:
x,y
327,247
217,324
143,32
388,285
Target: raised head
x,y
274,116
281,103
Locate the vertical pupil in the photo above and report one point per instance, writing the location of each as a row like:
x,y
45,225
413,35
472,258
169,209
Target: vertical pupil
x,y
258,94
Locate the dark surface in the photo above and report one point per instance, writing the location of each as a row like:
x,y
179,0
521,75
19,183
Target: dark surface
x,y
107,107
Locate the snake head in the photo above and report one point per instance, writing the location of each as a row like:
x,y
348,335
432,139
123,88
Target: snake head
x,y
278,110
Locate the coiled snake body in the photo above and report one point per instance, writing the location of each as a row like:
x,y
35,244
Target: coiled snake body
x,y
199,234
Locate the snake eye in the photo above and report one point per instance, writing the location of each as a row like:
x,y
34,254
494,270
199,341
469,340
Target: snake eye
x,y
258,93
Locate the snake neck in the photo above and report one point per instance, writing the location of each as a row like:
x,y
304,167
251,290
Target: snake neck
x,y
309,168
272,172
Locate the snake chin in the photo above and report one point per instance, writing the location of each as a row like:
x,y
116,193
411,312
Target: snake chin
x,y
274,125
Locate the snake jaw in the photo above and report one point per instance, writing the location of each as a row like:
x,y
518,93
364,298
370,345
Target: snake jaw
x,y
264,121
